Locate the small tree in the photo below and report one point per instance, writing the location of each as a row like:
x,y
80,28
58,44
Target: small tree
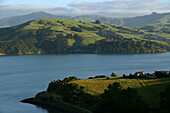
x,y
124,75
131,75
113,75
97,22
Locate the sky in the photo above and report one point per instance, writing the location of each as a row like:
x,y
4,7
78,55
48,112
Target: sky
x,y
110,8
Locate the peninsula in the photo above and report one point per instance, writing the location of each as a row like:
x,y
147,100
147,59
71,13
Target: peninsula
x,y
132,93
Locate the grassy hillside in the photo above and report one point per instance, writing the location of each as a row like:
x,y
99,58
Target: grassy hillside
x,y
63,36
149,89
159,27
112,95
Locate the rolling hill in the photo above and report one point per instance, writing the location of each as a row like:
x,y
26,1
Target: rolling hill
x,y
128,22
70,36
147,95
158,27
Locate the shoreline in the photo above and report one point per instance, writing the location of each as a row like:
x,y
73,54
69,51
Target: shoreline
x,y
2,54
60,107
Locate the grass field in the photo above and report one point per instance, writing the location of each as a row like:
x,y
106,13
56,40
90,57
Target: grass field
x,y
148,89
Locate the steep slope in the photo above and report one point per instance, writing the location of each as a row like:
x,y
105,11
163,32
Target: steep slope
x,y
69,36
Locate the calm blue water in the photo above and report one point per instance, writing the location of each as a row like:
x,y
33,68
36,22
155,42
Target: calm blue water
x,y
23,76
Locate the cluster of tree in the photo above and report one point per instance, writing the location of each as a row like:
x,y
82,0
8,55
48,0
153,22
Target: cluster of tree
x,y
122,45
21,46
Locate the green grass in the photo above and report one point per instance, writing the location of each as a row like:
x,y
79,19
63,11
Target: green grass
x,y
91,32
149,89
88,36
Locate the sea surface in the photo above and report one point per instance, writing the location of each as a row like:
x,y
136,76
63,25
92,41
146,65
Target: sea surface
x,y
23,76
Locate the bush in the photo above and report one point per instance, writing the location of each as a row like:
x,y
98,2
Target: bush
x,y
124,76
72,78
76,29
100,76
131,75
90,78
113,75
97,22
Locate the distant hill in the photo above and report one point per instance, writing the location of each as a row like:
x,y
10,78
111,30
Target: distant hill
x,y
70,36
17,20
158,27
128,22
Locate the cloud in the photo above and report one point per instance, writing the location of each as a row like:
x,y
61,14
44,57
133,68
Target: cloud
x,y
123,8
13,10
112,8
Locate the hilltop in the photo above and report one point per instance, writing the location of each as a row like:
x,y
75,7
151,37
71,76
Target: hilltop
x,y
70,36
128,22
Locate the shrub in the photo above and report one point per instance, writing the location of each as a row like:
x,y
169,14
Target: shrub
x,y
100,76
97,22
113,75
76,29
90,78
72,78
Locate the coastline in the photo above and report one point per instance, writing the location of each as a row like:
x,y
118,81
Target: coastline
x,y
50,101
2,54
61,106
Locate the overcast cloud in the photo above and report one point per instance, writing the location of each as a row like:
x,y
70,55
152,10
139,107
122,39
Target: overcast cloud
x,y
113,8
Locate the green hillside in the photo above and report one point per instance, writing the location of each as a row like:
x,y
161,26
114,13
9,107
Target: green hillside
x,y
158,27
111,94
68,36
149,89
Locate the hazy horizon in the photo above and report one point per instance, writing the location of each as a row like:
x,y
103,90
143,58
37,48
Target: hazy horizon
x,y
107,8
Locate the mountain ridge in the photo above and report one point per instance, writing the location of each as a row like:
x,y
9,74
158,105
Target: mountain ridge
x,y
128,22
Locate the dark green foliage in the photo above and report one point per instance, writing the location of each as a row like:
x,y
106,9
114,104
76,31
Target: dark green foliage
x,y
113,75
72,78
165,100
161,75
90,78
131,75
69,92
124,76
116,100
100,76
97,22
124,46
23,46
76,29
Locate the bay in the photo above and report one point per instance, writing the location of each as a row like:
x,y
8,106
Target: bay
x,y
23,76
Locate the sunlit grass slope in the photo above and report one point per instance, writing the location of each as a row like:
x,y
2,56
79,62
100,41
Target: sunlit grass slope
x,y
149,89
89,32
